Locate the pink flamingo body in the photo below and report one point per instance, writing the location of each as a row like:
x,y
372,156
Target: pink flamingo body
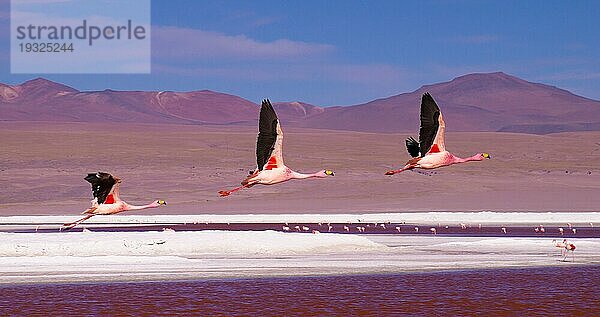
x,y
269,155
430,152
105,188
561,245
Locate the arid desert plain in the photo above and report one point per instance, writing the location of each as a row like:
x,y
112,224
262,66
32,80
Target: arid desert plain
x,y
42,166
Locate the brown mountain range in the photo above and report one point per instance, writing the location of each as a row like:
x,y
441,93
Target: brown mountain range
x,y
474,102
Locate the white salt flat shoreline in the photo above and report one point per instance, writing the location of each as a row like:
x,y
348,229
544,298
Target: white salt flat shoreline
x,y
148,256
484,217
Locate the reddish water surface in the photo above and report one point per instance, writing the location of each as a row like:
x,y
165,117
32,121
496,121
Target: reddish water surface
x,y
550,291
369,228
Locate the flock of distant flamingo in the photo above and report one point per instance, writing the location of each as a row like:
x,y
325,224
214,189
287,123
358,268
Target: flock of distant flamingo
x,y
428,153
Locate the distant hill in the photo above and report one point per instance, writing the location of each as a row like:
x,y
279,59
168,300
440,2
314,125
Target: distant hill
x,y
474,102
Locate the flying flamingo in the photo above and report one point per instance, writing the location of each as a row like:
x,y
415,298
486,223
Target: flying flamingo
x,y
430,152
269,155
105,189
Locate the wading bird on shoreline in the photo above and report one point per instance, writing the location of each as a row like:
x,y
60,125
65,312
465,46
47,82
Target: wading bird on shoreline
x,y
569,247
269,155
560,245
105,189
430,152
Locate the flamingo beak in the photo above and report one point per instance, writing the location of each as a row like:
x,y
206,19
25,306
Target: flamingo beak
x,y
487,156
330,173
162,202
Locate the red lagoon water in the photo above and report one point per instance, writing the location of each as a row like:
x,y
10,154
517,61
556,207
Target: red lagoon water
x,y
550,291
368,228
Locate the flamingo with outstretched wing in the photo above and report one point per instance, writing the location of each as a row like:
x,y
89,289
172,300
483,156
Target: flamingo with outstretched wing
x,y
430,152
105,189
269,155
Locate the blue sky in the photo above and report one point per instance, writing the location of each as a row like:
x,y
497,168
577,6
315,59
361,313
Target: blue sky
x,y
348,52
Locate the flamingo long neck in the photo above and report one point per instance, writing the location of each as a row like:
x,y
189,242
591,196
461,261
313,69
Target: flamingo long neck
x,y
297,175
134,207
475,157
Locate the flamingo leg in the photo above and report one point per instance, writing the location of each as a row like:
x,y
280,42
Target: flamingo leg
x,y
573,255
224,193
567,255
70,225
407,167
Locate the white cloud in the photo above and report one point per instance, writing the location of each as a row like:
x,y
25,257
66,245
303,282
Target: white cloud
x,y
173,42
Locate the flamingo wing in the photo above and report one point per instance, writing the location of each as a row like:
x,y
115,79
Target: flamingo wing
x,y
431,132
412,146
270,139
102,185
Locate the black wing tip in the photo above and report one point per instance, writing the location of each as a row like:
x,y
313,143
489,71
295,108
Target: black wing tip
x,y
98,174
267,105
428,102
91,176
412,146
267,108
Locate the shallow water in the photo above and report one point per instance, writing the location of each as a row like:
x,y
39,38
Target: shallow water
x,y
565,291
550,231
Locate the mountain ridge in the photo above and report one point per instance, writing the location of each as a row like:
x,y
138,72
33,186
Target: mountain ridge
x,y
472,102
